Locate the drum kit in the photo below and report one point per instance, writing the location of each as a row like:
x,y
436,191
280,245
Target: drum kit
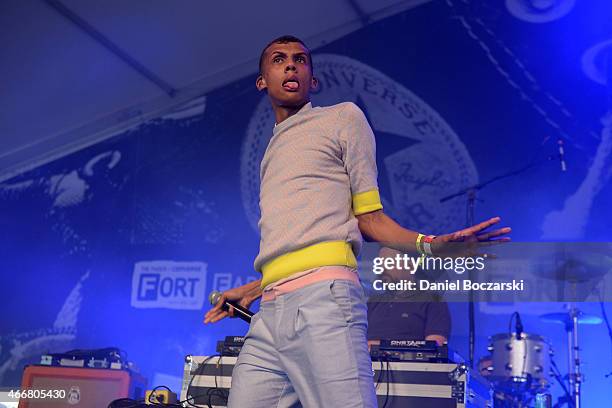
x,y
521,366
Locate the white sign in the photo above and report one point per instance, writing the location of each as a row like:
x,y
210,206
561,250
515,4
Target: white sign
x,y
169,285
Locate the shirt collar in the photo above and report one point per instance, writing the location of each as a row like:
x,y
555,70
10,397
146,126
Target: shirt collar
x,y
302,110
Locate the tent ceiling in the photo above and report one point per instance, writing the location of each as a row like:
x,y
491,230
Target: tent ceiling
x,y
64,88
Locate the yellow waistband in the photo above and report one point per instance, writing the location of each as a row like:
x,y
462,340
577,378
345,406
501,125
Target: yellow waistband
x,y
314,256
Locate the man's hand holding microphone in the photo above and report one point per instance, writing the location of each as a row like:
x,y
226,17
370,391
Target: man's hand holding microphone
x,y
233,302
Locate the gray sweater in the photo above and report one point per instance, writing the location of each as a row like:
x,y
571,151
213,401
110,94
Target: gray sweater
x,y
318,172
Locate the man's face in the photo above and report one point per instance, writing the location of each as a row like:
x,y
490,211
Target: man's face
x,y
287,74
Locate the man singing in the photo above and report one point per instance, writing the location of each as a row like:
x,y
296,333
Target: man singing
x,y
319,195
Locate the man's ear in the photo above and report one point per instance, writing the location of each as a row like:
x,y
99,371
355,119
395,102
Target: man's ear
x,y
314,83
260,83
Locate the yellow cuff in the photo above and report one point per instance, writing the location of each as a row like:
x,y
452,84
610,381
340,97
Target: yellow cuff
x,y
366,202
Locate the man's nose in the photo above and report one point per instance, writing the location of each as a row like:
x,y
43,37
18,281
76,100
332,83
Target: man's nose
x,y
290,67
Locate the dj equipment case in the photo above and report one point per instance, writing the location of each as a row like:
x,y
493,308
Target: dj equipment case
x,y
400,384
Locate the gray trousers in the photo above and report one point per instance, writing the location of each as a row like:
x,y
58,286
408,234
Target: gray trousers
x,y
307,348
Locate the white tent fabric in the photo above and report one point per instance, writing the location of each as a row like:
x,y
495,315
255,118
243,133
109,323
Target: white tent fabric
x,y
65,87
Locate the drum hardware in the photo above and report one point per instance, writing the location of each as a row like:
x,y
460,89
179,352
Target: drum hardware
x,y
571,319
521,369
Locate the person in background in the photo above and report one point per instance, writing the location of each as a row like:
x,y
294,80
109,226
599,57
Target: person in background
x,y
406,315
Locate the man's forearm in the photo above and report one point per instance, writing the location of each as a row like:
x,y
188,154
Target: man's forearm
x,y
378,226
253,290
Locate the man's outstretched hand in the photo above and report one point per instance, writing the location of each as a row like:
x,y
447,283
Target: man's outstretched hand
x,y
470,241
243,295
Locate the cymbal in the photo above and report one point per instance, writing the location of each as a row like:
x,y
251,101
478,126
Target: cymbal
x,y
566,318
563,262
575,270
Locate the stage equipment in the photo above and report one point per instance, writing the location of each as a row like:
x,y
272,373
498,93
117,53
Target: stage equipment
x,y
520,365
159,396
566,318
99,358
470,193
571,319
45,386
414,351
207,381
231,346
427,385
543,401
519,325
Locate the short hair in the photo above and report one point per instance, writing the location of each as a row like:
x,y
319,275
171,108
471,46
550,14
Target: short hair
x,y
284,39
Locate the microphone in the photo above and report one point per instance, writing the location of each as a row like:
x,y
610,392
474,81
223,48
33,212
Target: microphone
x,y
561,154
239,311
519,327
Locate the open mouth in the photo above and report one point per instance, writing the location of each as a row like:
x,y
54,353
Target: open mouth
x,y
291,84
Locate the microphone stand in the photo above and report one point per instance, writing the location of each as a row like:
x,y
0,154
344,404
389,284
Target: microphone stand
x,y
470,192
